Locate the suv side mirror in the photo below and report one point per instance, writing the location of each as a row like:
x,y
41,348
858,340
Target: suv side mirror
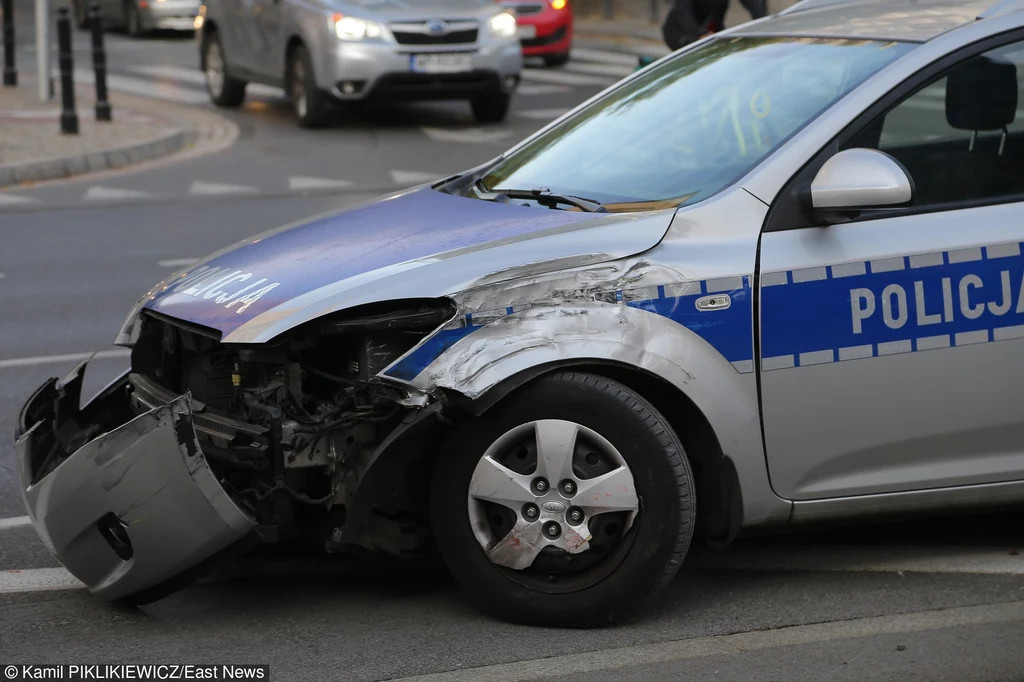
x,y
856,179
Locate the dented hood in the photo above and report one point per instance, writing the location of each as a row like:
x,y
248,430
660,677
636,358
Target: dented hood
x,y
420,243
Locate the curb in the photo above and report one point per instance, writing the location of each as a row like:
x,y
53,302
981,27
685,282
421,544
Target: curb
x,y
68,166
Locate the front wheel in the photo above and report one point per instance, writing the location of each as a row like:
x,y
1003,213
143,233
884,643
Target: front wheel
x,y
492,108
81,15
133,19
308,101
224,90
568,504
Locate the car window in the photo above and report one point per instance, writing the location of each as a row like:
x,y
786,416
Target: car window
x,y
694,124
960,136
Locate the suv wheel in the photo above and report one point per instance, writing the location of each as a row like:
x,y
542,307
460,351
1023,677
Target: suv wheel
x,y
308,101
133,19
81,14
224,89
492,108
567,504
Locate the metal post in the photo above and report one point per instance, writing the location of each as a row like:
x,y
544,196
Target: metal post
x,y
68,117
10,74
99,62
44,80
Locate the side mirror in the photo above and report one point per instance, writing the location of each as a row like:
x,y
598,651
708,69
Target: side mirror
x,y
856,179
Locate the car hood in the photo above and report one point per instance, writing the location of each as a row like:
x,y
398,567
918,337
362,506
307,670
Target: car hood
x,y
415,244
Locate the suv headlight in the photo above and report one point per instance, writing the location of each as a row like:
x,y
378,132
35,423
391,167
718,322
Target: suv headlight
x,y
354,28
502,25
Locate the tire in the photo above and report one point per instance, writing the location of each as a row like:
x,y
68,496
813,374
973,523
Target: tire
x,y
308,102
620,569
133,20
224,89
560,59
492,108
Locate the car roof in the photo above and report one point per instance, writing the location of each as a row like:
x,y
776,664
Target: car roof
x,y
902,20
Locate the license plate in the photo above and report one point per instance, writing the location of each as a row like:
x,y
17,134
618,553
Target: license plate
x,y
527,31
441,63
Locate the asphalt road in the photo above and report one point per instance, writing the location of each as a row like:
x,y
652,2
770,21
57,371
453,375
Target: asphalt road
x,y
933,600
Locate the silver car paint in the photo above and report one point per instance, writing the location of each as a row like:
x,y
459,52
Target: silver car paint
x,y
256,35
151,474
717,238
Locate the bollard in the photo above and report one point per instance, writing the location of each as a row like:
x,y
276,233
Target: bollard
x,y
10,74
99,62
68,117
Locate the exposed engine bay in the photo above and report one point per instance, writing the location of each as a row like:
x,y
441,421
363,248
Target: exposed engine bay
x,y
290,428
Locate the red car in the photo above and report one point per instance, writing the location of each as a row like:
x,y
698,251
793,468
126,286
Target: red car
x,y
545,28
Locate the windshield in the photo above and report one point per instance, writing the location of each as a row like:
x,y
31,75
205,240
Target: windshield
x,y
693,125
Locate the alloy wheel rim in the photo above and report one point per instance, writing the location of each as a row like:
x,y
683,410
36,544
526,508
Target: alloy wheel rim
x,y
299,88
556,503
214,69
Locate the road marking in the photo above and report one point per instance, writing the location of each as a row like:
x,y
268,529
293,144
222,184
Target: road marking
x,y
583,54
301,182
196,77
564,77
886,559
100,193
145,87
15,522
467,135
37,580
67,357
542,114
725,645
176,262
528,89
403,177
15,200
209,189
612,70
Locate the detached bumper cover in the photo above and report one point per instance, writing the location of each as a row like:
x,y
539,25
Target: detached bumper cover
x,y
129,511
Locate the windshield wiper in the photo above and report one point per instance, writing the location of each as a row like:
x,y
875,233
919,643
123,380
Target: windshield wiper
x,y
544,197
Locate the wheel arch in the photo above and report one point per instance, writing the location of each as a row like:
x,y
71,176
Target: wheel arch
x,y
718,493
294,41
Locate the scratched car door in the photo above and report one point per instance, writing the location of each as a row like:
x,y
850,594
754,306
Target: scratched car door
x,y
892,348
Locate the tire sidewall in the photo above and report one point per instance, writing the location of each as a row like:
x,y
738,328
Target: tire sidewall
x,y
653,456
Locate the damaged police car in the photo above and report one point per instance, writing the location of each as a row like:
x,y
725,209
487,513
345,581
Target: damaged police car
x,y
773,278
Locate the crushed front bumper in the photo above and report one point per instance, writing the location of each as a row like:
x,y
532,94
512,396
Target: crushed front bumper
x,y
128,504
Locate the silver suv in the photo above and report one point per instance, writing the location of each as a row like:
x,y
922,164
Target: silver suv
x,y
321,51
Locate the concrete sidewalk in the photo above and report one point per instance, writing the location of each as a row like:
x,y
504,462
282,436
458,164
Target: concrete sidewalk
x,y
32,148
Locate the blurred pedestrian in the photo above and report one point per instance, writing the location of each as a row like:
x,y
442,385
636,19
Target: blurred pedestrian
x,y
690,20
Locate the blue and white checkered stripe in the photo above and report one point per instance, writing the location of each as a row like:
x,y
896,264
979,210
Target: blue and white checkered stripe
x,y
920,302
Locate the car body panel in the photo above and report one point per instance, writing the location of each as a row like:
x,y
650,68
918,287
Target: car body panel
x,y
418,244
147,475
905,20
259,33
543,30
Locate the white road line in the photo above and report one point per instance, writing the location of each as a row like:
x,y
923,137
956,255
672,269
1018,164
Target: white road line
x,y
404,177
145,87
630,657
564,77
529,90
873,559
467,135
195,77
176,262
612,70
602,57
218,188
37,580
15,522
542,114
301,182
67,357
98,193
15,200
